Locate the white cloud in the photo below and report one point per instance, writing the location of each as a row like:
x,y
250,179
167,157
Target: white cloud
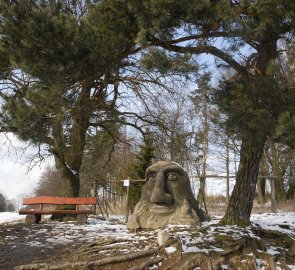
x,y
15,178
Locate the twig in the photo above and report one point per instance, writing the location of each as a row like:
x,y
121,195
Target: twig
x,y
148,263
234,249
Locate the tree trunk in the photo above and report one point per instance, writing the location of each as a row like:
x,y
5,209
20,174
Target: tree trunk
x,y
241,201
202,194
71,176
277,170
291,189
261,190
264,171
68,155
279,188
227,169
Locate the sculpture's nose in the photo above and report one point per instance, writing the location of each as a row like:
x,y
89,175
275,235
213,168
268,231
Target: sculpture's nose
x,y
159,194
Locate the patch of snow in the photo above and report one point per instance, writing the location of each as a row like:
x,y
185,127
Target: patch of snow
x,y
170,249
260,264
283,222
195,249
272,251
99,229
154,267
6,217
36,244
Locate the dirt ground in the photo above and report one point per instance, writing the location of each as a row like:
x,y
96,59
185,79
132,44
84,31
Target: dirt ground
x,y
14,251
22,244
60,243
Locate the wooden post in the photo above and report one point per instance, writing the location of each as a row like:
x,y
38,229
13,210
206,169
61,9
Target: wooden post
x,y
94,193
273,196
127,184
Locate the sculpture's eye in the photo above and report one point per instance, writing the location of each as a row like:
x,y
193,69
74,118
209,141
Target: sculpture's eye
x,y
172,177
150,177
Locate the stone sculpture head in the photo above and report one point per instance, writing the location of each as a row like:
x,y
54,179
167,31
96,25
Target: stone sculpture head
x,y
166,198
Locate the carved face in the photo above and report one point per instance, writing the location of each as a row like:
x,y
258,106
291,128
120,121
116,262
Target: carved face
x,y
166,198
166,187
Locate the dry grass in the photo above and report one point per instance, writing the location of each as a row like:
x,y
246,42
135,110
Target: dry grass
x,y
216,206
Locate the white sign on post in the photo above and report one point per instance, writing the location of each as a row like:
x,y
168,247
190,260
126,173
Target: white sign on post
x,y
126,183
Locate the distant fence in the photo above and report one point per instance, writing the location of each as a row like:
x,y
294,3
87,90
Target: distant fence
x,y
222,185
217,190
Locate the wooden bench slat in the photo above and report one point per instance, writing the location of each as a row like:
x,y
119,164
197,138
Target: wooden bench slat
x,y
34,215
58,200
50,212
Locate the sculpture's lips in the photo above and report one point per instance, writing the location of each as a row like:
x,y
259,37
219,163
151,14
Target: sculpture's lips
x,y
161,209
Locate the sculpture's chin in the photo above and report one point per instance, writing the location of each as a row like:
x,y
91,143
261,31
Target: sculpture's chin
x,y
149,215
161,209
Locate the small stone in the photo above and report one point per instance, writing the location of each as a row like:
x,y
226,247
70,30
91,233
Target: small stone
x,y
163,238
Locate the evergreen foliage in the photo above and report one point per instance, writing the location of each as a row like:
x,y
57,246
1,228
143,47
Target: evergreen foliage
x,y
254,107
2,203
254,99
66,41
6,205
145,155
143,160
64,58
158,60
61,63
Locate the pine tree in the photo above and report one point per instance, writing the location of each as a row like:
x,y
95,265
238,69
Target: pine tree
x,y
62,58
144,159
253,98
2,203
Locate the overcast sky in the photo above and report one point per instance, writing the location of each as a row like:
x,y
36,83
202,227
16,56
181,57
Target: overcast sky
x,y
15,179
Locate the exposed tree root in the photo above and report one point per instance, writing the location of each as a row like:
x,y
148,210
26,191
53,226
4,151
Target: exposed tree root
x,y
282,237
101,262
148,263
232,250
104,243
242,251
104,261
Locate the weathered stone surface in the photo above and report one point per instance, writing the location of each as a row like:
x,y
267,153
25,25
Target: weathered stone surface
x,y
166,198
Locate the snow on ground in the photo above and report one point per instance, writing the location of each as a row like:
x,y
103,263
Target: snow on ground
x,y
115,227
284,222
98,229
10,217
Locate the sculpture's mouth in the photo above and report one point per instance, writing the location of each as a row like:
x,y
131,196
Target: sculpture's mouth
x,y
161,209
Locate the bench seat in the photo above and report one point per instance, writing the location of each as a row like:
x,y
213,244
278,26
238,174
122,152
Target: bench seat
x,y
34,214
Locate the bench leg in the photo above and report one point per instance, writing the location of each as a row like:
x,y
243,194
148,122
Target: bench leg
x,y
81,218
36,218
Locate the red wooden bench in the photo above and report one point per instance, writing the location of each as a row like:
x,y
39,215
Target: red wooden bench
x,y
45,207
